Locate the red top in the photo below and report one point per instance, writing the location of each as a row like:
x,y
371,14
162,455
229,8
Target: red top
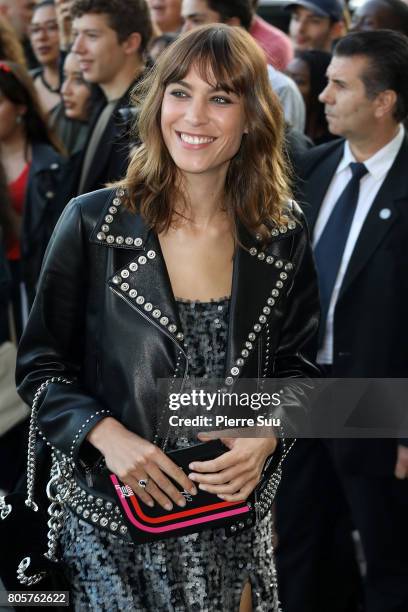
x,y
276,44
17,193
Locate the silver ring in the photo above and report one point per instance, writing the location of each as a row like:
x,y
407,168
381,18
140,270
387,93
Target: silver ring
x,y
143,483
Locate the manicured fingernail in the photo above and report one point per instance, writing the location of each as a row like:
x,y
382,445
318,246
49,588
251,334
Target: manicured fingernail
x,y
192,476
202,487
150,503
192,466
193,491
221,496
168,506
182,502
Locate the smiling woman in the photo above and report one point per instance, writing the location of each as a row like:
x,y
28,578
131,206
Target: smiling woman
x,y
197,264
44,38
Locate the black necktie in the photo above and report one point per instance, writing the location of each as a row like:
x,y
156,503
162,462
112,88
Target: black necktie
x,y
330,246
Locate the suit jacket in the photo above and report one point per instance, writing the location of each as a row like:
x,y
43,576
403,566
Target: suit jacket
x,y
105,318
370,333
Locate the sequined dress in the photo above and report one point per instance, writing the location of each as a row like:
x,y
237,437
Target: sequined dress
x,y
202,572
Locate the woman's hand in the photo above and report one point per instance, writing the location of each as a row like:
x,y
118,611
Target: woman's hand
x,y
234,475
134,459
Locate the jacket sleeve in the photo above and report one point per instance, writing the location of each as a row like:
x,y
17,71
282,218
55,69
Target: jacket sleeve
x,y
294,358
52,346
296,351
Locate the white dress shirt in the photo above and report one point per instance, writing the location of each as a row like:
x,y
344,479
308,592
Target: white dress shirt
x,y
378,166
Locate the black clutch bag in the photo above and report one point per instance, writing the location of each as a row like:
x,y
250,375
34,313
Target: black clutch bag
x,y
202,511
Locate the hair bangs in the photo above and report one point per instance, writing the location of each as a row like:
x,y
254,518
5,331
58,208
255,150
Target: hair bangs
x,y
214,57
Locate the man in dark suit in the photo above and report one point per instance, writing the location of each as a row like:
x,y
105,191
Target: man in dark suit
x,y
355,195
110,40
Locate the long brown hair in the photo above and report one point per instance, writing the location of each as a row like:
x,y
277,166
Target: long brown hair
x,y
17,86
11,48
256,188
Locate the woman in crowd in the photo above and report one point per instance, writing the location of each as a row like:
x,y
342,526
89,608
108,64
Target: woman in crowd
x,y
10,47
70,117
44,38
32,163
308,70
197,263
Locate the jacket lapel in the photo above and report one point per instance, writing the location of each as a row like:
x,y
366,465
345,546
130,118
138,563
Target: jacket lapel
x,y
314,191
259,279
145,284
383,213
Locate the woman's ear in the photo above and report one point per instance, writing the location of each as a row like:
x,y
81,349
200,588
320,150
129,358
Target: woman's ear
x,y
22,110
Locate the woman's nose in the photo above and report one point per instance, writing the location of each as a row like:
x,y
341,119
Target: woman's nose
x,y
197,111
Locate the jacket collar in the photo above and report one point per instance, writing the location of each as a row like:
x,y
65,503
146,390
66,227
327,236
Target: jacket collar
x,y
142,280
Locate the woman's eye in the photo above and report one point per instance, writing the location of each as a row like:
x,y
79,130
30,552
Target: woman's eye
x,y
177,93
221,100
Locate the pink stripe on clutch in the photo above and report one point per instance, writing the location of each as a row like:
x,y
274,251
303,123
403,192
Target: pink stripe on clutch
x,y
173,527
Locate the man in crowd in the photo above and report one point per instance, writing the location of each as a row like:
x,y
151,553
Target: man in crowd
x,y
316,24
240,13
166,15
109,39
275,43
19,14
355,195
381,15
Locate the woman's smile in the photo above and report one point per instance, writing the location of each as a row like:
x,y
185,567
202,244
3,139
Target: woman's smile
x,y
195,141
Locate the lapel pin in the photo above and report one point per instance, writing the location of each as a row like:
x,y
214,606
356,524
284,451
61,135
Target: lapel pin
x,y
385,213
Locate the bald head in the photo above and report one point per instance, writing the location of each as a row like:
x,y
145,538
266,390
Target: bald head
x,y
18,13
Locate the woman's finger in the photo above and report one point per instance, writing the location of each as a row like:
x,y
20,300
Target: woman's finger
x,y
159,496
240,495
139,491
166,486
174,471
229,488
220,477
228,459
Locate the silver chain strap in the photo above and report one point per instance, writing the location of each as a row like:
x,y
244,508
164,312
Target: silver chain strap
x,y
32,438
55,510
58,491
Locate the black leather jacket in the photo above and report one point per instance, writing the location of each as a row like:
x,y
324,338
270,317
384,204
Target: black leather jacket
x,y
105,316
45,200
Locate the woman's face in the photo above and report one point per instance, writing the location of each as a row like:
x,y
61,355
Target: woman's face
x,y
202,127
75,91
9,118
299,71
44,35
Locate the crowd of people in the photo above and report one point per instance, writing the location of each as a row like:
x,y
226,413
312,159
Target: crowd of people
x,y
76,116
